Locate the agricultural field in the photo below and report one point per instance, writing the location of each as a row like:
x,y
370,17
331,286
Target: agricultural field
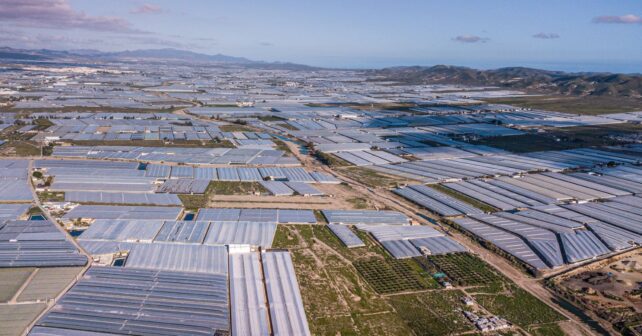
x,y
51,196
342,289
220,188
510,304
11,279
336,298
591,105
433,313
464,269
24,291
393,276
20,148
564,138
236,128
234,188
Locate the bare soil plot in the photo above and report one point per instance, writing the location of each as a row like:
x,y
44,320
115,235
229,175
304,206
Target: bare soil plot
x,y
11,279
15,318
48,283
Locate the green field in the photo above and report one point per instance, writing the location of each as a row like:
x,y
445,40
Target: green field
x,y
20,148
51,196
433,313
591,105
236,128
358,202
393,276
551,329
364,291
331,160
464,269
563,138
234,188
337,300
510,304
221,188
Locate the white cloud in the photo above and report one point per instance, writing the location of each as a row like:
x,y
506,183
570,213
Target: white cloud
x,y
470,39
58,14
625,19
547,36
147,9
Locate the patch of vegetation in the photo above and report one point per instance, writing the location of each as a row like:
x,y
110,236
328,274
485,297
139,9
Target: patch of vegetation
x,y
370,177
42,123
342,289
192,202
320,217
51,196
220,105
465,269
330,160
336,299
433,313
358,202
236,128
552,329
591,105
20,148
282,146
221,188
510,305
234,188
270,118
464,198
393,276
34,210
564,138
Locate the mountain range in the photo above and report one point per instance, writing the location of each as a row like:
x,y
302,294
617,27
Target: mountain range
x,y
531,80
166,54
528,79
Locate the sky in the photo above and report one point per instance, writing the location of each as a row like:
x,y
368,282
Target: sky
x,y
570,35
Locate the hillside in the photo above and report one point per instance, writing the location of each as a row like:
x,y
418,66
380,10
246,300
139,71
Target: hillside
x,y
544,81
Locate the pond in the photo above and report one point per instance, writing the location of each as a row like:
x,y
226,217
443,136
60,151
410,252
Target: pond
x,y
76,233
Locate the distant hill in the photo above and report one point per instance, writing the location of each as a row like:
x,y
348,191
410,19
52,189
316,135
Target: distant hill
x,y
532,80
175,54
558,82
166,54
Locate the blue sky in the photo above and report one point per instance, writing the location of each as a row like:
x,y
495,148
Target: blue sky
x,y
567,35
